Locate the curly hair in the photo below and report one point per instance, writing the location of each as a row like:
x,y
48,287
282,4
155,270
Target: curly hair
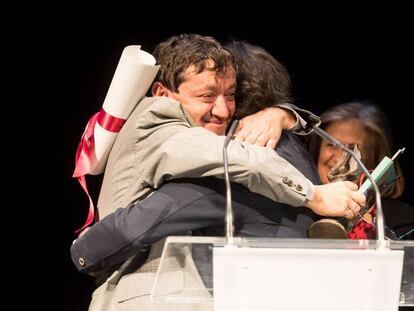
x,y
178,53
262,81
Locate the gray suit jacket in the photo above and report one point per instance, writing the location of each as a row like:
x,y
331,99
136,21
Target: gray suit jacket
x,y
158,143
131,292
190,204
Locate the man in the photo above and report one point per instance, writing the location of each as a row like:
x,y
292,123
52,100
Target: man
x,y
205,86
135,228
163,140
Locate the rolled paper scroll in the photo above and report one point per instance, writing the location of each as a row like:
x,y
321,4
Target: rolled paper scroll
x,y
135,72
133,76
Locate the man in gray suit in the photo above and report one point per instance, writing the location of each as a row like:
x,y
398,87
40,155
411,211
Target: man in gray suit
x,y
128,230
159,142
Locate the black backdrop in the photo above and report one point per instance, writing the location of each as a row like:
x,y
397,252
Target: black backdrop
x,y
357,60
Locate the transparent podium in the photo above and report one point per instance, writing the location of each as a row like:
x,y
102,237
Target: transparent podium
x,y
286,274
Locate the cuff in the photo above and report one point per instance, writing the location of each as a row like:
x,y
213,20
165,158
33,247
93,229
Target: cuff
x,y
304,119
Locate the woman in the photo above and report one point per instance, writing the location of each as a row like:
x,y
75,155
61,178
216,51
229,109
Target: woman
x,y
365,126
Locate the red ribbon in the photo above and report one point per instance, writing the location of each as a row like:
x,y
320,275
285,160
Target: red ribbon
x,y
86,153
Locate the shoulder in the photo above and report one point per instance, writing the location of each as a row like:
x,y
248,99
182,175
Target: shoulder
x,y
155,109
162,107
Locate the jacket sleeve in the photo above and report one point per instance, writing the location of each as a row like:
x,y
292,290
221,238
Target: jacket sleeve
x,y
169,147
197,152
304,119
174,209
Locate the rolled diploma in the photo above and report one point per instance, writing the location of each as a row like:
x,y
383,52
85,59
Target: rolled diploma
x,y
133,76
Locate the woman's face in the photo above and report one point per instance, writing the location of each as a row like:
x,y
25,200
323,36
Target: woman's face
x,y
346,132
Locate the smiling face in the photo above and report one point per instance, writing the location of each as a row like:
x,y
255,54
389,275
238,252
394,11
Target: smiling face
x,y
208,96
347,132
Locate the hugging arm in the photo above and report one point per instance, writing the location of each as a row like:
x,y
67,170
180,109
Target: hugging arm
x,y
191,204
174,209
265,127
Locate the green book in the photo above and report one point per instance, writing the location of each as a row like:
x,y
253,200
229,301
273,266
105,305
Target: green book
x,y
384,176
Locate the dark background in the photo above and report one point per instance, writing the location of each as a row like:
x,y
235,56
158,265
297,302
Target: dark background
x,y
331,61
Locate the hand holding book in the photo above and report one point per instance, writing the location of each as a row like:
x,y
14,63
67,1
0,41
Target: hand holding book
x,y
384,175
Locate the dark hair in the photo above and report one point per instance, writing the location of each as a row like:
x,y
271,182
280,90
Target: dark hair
x,y
178,53
262,81
377,142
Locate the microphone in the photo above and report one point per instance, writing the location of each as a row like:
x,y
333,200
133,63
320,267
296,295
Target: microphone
x,y
229,208
380,215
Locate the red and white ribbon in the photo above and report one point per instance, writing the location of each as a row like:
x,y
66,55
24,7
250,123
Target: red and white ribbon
x,y
133,76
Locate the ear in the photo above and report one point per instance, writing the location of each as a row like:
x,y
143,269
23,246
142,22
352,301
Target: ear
x,y
159,90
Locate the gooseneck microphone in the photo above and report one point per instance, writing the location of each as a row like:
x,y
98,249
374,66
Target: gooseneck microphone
x,y
380,214
229,208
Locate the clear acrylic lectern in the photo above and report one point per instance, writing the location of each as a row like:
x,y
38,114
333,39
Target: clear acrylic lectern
x,y
286,274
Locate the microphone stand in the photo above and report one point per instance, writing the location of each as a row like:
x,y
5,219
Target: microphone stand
x,y
380,215
229,208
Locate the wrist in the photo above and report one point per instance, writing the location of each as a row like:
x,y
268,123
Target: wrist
x,y
286,117
312,197
289,119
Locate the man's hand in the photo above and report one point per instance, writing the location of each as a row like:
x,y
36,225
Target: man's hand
x,y
337,199
265,127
